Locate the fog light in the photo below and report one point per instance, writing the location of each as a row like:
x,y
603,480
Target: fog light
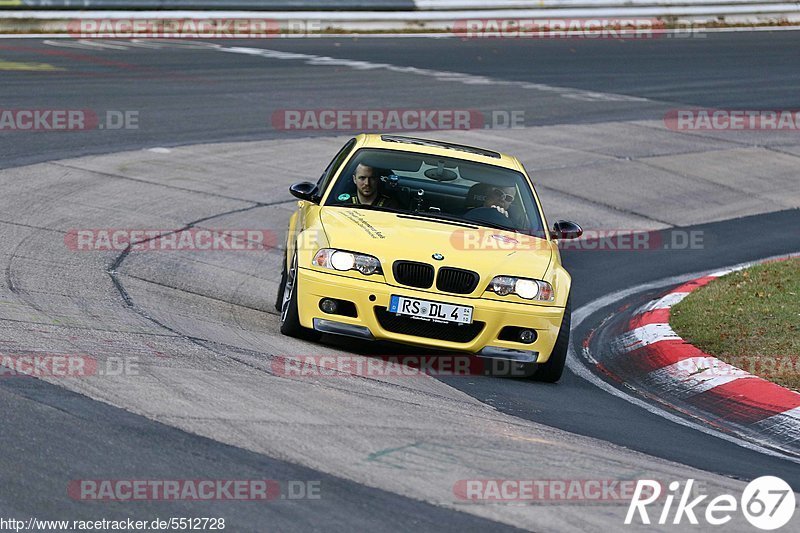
x,y
328,306
527,336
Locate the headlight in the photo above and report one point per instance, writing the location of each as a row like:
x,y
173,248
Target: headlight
x,y
366,264
527,289
502,285
530,289
343,261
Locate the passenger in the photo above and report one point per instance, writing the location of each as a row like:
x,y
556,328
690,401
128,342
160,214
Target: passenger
x,y
367,189
500,198
491,204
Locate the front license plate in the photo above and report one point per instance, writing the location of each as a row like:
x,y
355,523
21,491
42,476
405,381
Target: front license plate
x,y
433,311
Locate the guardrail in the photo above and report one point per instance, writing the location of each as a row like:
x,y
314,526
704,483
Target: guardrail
x,y
217,5
54,17
589,7
556,4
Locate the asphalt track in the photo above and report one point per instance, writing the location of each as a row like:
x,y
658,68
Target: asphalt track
x,y
187,96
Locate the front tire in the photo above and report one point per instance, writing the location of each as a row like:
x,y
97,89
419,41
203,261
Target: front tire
x,y
550,372
281,287
290,318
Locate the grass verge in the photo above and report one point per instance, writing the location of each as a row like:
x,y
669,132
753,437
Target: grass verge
x,y
750,319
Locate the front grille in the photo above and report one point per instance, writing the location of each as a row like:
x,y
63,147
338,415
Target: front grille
x,y
413,274
431,330
457,280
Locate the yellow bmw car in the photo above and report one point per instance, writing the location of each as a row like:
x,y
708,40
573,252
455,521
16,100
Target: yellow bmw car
x,y
431,244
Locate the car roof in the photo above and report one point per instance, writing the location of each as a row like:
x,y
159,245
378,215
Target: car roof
x,y
437,147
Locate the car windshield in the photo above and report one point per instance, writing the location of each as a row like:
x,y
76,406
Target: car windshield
x,y
439,187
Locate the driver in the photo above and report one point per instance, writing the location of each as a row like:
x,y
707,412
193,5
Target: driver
x,y
366,180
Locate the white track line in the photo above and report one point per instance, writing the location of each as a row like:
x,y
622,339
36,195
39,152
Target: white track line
x,y
431,35
579,368
440,75
86,44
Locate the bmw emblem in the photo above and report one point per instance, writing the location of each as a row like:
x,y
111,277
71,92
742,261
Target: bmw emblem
x,y
438,257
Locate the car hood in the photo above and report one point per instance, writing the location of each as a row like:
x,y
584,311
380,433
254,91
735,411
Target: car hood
x,y
390,236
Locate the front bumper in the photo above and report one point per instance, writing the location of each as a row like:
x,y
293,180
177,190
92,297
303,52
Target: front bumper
x,y
371,299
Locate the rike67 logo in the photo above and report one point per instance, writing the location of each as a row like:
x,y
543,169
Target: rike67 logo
x,y
767,503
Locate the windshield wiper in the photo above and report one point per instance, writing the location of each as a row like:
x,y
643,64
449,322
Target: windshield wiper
x,y
441,216
424,214
463,221
470,222
495,226
440,220
369,206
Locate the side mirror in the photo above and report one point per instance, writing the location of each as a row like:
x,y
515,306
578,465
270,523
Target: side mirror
x,y
563,229
304,190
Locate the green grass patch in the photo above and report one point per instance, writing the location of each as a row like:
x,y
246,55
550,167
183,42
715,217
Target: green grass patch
x,y
750,319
